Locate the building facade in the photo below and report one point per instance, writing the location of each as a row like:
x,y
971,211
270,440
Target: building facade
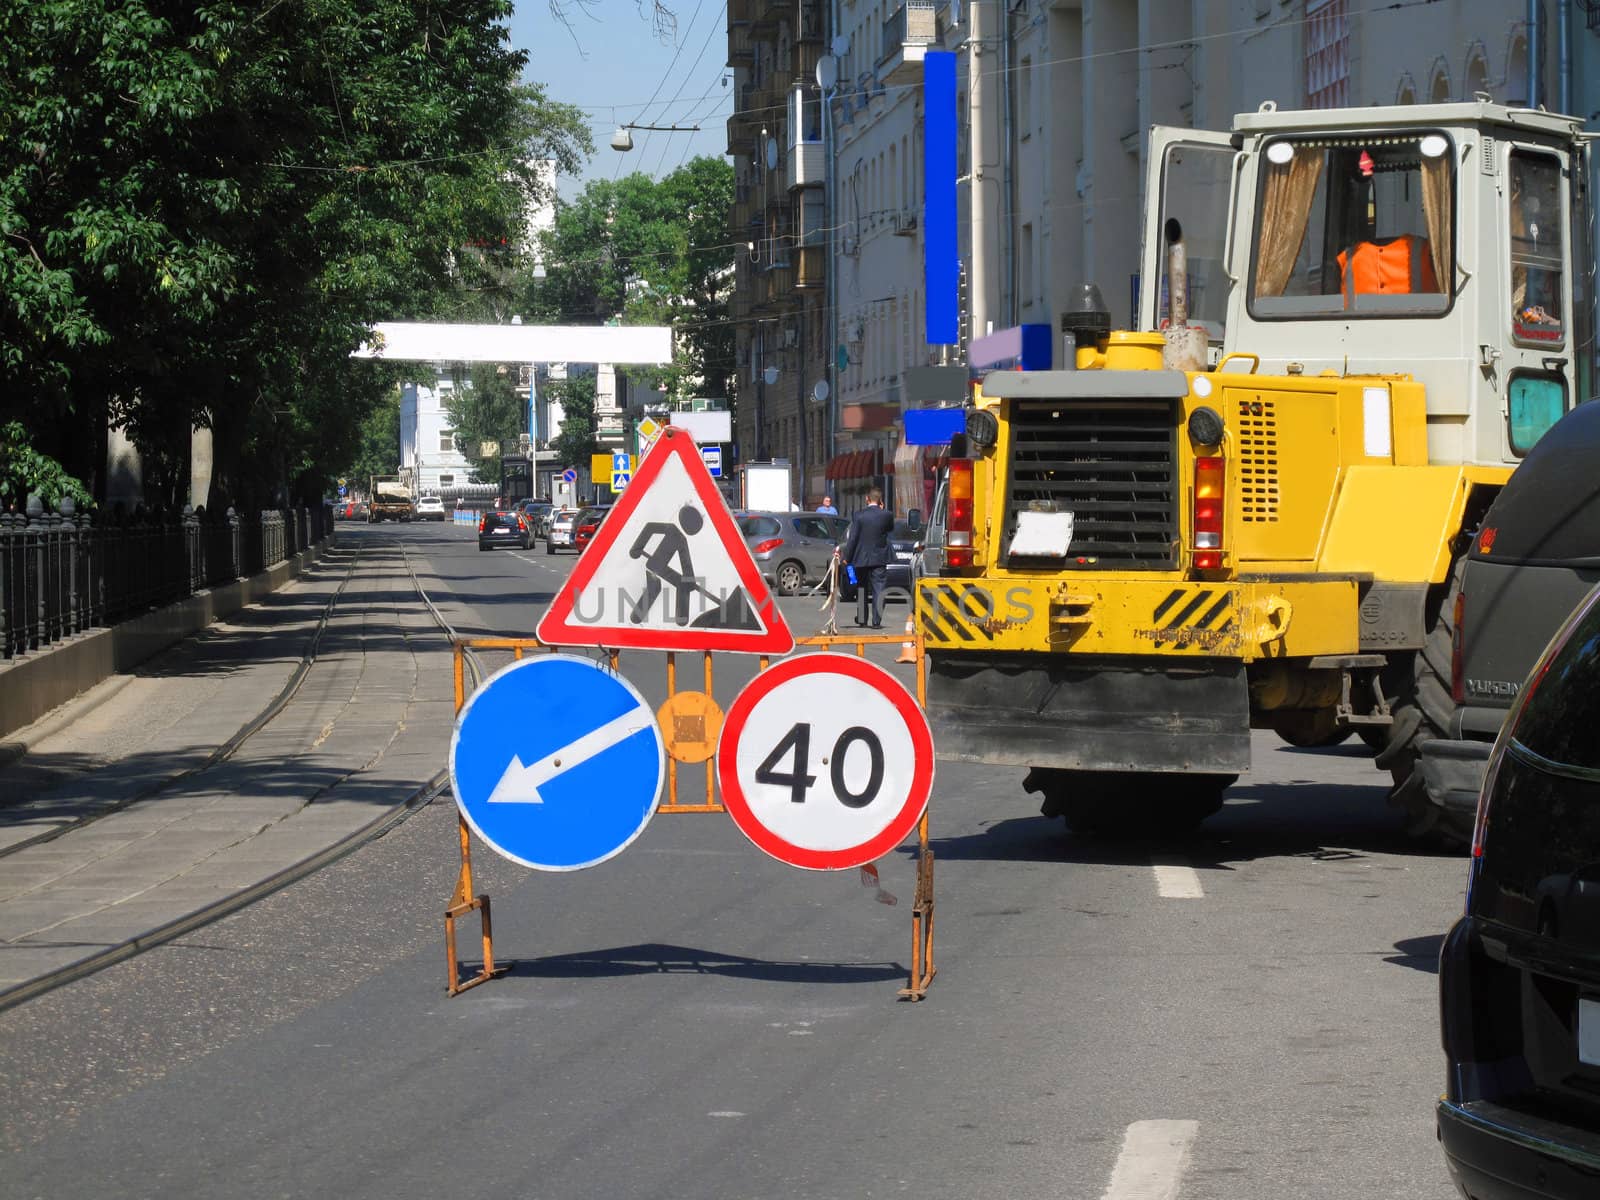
x,y
780,307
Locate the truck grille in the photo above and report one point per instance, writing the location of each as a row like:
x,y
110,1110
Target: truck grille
x,y
1111,463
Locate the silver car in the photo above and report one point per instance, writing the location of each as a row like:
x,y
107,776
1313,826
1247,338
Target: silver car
x,y
793,549
560,531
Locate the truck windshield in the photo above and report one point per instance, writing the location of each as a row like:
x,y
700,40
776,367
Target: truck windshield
x,y
1358,225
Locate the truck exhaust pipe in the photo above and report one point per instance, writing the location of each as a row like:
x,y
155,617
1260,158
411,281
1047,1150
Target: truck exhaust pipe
x,y
1185,348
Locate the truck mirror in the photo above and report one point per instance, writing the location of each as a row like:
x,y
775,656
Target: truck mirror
x,y
914,518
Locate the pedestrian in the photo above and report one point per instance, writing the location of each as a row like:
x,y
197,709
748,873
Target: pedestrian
x,y
827,507
866,548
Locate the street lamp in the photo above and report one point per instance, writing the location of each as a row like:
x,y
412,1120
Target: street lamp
x,y
622,139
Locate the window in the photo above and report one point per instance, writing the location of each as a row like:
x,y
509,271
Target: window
x,y
447,442
1537,252
1535,402
1327,54
446,480
805,115
759,526
1195,184
1560,713
1353,226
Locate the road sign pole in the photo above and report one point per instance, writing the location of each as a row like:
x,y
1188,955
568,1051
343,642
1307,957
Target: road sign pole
x,y
462,901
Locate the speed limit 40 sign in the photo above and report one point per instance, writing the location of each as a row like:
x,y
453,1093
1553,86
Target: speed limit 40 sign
x,y
825,761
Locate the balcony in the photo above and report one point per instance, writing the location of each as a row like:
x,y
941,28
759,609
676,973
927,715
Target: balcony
x,y
765,16
740,52
813,20
810,267
805,165
906,38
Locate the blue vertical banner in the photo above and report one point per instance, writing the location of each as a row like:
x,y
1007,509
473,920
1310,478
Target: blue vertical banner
x,y
941,255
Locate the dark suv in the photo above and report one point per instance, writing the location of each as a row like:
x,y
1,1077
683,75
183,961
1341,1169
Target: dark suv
x,y
1519,976
1535,556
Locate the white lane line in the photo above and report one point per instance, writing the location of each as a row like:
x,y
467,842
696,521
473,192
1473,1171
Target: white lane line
x,y
1177,880
1155,1154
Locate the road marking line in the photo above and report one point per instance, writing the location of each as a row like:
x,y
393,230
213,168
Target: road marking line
x,y
1154,1156
1177,880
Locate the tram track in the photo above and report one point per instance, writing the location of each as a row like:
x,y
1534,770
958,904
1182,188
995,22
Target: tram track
x,y
205,913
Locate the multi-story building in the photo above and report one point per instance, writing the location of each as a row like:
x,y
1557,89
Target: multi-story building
x,y
779,307
428,442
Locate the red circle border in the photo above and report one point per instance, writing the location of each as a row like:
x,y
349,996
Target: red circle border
x,y
738,805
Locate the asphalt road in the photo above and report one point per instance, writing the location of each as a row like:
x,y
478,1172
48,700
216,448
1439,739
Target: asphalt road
x,y
1247,1016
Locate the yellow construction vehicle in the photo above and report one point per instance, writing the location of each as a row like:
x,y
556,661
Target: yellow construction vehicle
x,y
1249,512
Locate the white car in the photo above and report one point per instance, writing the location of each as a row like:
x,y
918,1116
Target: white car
x,y
560,533
429,508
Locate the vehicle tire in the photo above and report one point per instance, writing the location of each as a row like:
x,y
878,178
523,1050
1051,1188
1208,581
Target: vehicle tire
x,y
1422,706
1115,805
481,546
1310,730
791,577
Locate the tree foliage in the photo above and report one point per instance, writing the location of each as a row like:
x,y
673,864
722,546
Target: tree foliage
x,y
484,407
576,442
205,204
25,472
378,446
647,252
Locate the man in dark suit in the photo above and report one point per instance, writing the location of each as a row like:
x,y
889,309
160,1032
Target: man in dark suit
x,y
866,548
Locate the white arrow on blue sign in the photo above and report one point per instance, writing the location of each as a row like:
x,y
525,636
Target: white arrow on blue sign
x,y
557,763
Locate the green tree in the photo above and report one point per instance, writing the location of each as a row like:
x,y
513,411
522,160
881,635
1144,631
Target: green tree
x,y
643,252
576,442
205,204
25,472
378,451
484,407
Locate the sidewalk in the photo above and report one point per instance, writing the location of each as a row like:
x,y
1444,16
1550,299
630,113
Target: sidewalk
x,y
138,812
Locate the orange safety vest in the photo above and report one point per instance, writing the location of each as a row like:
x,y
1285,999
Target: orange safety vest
x,y
1401,264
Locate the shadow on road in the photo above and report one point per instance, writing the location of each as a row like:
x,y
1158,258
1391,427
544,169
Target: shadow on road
x,y
1325,822
1418,953
654,958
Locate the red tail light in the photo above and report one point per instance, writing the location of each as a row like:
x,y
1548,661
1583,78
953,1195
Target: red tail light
x,y
1208,499
1458,685
483,522
958,515
769,544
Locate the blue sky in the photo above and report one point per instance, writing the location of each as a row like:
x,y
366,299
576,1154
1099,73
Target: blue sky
x,y
612,63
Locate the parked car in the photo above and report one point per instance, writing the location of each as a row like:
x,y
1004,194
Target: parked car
x,y
429,508
904,540
559,530
1535,556
502,527
793,549
586,523
536,511
1519,1005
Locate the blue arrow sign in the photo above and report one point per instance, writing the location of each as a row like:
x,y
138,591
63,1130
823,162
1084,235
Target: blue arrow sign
x,y
557,763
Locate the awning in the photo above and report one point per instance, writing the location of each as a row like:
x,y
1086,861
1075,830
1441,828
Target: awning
x,y
855,464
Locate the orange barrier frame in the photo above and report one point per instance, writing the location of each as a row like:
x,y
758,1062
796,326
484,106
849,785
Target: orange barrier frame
x,y
463,901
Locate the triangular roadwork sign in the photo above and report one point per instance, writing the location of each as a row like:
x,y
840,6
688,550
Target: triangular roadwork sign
x,y
668,569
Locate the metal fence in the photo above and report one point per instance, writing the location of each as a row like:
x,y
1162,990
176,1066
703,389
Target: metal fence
x,y
62,574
